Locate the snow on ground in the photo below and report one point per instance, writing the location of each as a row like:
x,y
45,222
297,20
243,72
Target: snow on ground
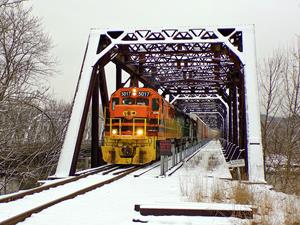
x,y
198,180
114,203
12,208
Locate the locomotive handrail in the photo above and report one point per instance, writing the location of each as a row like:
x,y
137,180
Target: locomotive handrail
x,y
145,126
134,132
110,125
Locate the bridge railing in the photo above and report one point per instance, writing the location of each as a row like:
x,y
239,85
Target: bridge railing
x,y
234,156
231,151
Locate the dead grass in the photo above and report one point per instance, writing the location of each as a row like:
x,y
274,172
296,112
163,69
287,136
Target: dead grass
x,y
198,195
213,162
217,195
195,161
198,191
184,186
264,204
291,212
268,210
193,189
242,194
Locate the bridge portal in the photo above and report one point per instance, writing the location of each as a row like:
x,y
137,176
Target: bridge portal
x,y
209,71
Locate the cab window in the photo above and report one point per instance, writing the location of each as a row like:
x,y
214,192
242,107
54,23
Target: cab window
x,y
142,101
128,101
155,104
115,101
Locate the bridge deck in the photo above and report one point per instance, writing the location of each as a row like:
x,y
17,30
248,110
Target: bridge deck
x,y
213,161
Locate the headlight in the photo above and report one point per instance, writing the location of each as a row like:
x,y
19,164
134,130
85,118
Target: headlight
x,y
134,92
139,132
114,131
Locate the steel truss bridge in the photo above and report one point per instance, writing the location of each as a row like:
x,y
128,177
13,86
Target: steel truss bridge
x,y
210,71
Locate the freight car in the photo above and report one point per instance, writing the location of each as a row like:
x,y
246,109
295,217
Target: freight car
x,y
138,119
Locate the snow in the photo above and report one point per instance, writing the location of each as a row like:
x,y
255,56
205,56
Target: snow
x,y
114,203
198,205
15,207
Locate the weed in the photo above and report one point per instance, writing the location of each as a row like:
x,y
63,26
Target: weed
x,y
213,162
184,186
265,208
195,161
217,195
193,189
291,213
242,194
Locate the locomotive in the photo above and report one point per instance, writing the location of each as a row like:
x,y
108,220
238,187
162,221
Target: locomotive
x,y
138,119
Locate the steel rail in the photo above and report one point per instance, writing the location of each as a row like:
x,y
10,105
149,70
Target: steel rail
x,y
56,184
22,216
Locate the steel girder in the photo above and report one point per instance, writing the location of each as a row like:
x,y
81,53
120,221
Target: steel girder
x,y
179,66
190,62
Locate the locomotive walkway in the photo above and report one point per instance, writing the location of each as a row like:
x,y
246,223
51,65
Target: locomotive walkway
x,y
114,204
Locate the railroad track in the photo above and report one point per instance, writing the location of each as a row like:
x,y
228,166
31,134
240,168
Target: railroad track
x,y
20,195
21,216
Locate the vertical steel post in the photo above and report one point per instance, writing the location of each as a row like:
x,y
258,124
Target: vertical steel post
x,y
82,123
230,121
173,150
242,122
255,165
103,88
235,116
104,101
182,149
225,125
95,151
118,77
162,165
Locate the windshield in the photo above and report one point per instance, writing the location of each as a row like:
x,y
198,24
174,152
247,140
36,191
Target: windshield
x,y
135,101
128,101
142,101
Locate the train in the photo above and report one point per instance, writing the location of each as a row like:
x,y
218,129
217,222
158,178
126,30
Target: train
x,y
139,120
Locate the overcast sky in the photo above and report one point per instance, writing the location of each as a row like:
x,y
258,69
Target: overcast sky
x,y
68,23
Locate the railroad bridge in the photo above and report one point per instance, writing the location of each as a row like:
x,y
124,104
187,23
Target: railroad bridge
x,y
209,71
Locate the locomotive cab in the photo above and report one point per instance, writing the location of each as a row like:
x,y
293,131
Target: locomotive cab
x,y
131,126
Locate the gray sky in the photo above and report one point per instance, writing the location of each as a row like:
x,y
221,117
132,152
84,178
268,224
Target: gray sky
x,y
68,23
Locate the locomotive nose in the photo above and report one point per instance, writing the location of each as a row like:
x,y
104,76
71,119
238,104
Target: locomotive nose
x,y
127,152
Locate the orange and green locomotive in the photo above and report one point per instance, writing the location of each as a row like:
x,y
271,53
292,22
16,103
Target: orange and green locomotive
x,y
137,120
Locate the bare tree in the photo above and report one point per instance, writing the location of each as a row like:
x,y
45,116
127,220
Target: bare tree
x,y
24,52
281,122
28,131
10,3
271,93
